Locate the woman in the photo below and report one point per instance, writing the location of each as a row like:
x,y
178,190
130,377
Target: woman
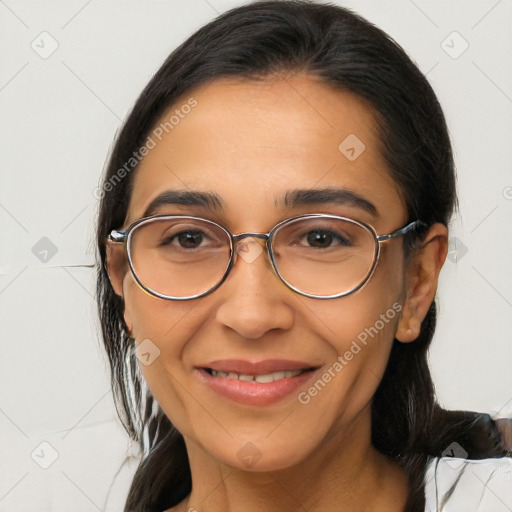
x,y
272,228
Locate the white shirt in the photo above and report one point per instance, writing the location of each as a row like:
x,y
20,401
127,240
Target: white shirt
x,y
481,485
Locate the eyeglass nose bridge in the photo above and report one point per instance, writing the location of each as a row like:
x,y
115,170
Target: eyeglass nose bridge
x,y
251,256
241,236
261,236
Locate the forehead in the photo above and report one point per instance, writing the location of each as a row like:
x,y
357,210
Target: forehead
x,y
251,141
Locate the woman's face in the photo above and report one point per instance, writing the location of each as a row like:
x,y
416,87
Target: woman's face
x,y
252,144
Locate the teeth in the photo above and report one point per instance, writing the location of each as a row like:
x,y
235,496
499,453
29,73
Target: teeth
x,y
263,379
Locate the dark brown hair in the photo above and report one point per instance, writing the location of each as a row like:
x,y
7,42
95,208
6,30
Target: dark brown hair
x,y
350,54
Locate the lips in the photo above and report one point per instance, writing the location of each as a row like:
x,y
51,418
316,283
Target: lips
x,y
255,383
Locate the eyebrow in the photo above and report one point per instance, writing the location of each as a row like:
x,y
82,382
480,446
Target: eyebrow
x,y
292,199
208,200
296,198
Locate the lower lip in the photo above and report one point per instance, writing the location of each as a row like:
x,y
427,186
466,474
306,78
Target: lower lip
x,y
254,393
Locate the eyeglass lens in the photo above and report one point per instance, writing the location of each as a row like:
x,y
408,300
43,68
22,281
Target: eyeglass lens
x,y
184,257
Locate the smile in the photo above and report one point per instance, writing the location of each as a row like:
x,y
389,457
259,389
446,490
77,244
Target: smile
x,y
258,384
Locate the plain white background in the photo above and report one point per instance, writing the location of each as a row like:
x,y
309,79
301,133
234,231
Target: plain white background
x,y
69,73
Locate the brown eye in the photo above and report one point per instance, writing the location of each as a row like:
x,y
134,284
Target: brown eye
x,y
323,239
319,239
189,239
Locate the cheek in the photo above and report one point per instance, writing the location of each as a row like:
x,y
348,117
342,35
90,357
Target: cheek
x,y
156,319
370,313
375,310
161,329
360,331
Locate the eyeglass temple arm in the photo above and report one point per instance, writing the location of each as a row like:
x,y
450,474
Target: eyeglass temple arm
x,y
402,231
117,236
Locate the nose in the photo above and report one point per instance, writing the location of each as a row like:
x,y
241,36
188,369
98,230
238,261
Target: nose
x,y
254,299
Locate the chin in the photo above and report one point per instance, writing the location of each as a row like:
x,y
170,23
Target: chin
x,y
257,456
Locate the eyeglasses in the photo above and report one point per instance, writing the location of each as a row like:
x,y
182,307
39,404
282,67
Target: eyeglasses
x,y
182,257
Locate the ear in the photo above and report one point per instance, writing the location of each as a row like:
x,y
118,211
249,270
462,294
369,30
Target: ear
x,y
116,266
421,278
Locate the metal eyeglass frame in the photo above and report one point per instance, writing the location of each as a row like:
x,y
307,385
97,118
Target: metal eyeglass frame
x,y
124,237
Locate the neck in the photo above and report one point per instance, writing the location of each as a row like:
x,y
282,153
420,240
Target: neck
x,y
346,470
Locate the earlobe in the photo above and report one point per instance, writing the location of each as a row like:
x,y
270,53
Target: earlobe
x,y
409,325
421,279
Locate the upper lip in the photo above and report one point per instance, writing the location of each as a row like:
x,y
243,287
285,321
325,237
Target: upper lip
x,y
256,367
